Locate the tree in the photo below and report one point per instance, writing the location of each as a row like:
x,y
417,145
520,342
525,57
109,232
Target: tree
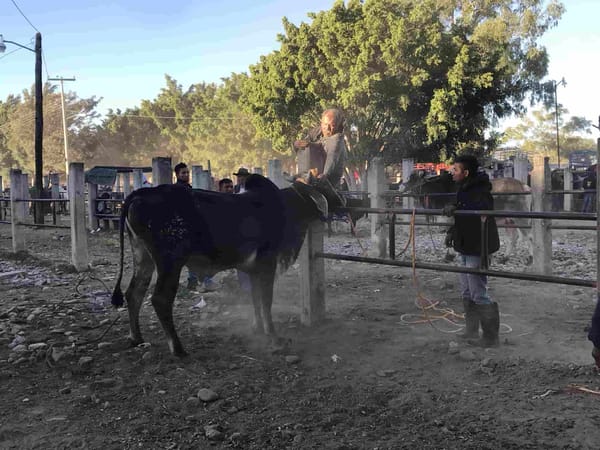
x,y
206,123
536,134
415,78
18,128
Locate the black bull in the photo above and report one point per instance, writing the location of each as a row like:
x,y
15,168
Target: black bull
x,y
170,226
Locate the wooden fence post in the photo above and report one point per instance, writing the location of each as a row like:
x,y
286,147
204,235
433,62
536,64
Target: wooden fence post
x,y
379,232
541,228
312,270
76,190
18,210
568,186
161,171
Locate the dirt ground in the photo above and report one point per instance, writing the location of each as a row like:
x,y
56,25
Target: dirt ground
x,y
367,378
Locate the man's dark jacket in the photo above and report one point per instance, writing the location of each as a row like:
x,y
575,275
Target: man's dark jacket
x,y
474,194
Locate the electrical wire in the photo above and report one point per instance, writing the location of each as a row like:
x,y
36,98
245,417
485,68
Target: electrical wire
x,y
10,53
24,16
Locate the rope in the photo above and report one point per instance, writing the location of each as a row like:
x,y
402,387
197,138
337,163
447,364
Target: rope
x,y
431,312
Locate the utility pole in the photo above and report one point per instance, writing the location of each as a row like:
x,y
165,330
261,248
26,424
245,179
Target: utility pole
x,y
64,119
556,84
38,210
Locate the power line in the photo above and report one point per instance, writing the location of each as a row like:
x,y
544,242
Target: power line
x,y
45,65
10,53
28,21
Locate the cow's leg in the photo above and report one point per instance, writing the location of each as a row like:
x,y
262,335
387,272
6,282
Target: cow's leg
x,y
143,267
256,289
267,279
162,300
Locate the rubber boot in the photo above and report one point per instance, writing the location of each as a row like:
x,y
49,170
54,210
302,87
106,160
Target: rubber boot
x,y
471,320
490,324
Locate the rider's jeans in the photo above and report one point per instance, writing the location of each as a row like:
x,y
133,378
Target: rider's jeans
x,y
473,286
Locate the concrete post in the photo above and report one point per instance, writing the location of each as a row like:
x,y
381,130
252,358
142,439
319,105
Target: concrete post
x,y
379,232
312,270
197,176
542,233
79,244
18,210
126,184
205,181
93,222
258,170
162,173
568,186
138,179
408,165
55,185
521,168
276,173
1,199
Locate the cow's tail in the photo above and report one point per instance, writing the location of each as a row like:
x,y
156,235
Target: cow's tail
x,y
117,296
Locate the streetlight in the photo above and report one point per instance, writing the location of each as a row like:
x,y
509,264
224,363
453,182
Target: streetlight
x,y
38,212
556,114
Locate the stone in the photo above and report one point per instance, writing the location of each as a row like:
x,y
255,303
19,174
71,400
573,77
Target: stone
x,y
37,346
192,403
453,348
467,355
105,383
147,356
207,395
102,345
57,354
292,359
20,348
85,361
65,390
213,433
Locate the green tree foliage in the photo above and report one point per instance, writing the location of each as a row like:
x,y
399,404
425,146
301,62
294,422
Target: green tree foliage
x,y
205,122
17,125
415,78
536,134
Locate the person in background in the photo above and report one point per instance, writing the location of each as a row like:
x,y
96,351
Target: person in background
x,y
589,195
226,186
182,175
241,175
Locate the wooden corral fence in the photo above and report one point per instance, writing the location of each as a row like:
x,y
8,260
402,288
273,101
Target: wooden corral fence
x,y
383,223
83,200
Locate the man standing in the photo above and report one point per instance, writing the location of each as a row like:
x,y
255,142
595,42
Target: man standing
x,y
474,193
241,175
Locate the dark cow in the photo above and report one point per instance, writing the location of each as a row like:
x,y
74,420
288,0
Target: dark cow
x,y
170,226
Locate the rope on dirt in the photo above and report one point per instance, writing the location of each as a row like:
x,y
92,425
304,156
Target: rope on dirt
x,y
430,312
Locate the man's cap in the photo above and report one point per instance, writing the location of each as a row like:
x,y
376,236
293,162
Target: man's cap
x,y
241,172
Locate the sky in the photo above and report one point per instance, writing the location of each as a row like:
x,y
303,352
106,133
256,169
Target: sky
x,y
121,50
